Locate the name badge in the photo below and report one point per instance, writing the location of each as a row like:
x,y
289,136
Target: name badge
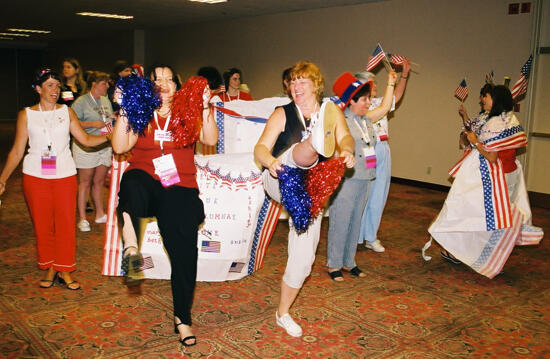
x,y
381,132
108,128
48,162
67,95
165,168
370,156
161,135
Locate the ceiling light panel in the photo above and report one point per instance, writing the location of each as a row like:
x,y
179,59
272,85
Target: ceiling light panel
x,y
209,1
13,34
109,16
30,31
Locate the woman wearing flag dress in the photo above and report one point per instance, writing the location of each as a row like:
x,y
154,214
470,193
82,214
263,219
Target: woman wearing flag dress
x,y
487,211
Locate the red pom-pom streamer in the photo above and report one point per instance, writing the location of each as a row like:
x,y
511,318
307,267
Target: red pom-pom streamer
x,y
187,106
322,180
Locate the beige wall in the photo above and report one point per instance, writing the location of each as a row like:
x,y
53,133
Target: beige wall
x,y
449,39
539,147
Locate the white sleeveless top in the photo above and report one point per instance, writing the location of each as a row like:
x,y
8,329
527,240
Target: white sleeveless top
x,y
45,127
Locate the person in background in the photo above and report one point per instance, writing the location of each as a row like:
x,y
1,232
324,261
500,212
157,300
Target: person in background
x,y
349,200
215,80
95,114
296,135
232,80
72,81
49,177
175,201
121,68
380,187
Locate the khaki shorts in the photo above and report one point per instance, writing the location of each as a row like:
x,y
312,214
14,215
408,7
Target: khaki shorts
x,y
91,158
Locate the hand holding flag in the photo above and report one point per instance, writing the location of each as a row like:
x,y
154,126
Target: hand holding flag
x,y
461,91
377,56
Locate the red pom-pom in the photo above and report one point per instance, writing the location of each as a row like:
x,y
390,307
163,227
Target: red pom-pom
x,y
322,180
187,106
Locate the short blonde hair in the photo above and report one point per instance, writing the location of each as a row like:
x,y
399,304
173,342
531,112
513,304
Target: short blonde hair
x,y
309,70
97,76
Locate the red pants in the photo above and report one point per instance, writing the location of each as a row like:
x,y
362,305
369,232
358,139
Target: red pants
x,y
52,204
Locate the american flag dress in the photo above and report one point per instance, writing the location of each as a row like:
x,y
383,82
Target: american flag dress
x,y
480,223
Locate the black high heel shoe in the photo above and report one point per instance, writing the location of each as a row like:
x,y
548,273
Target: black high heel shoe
x,y
185,340
67,285
47,283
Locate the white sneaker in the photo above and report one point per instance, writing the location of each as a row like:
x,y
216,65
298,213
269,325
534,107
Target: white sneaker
x,y
84,226
375,246
323,136
102,219
289,325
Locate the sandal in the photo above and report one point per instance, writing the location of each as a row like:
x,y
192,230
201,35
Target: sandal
x,y
336,275
185,341
131,263
448,256
356,272
47,283
74,283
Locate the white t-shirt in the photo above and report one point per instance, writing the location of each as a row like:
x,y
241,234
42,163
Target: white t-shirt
x,y
45,128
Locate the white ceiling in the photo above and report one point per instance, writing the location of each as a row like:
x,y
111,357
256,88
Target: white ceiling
x,y
59,16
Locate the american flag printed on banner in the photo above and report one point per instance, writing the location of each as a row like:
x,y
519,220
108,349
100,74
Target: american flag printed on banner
x,y
147,263
236,267
377,56
112,250
267,221
461,91
211,246
396,59
520,87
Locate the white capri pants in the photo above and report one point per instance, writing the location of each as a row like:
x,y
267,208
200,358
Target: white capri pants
x,y
301,246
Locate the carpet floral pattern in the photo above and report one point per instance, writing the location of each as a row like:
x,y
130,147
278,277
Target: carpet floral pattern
x,y
404,308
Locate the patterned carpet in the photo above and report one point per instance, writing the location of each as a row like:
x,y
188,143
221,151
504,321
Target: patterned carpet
x,y
405,308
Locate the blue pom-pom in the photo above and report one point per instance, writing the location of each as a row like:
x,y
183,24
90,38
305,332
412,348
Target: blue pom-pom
x,y
139,100
295,197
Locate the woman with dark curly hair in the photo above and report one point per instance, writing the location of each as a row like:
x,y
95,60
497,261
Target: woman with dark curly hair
x,y
160,181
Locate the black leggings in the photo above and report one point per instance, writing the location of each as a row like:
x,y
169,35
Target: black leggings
x,y
179,212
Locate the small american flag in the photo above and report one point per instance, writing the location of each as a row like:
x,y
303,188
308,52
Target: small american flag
x,y
490,77
377,56
396,59
461,91
520,86
211,246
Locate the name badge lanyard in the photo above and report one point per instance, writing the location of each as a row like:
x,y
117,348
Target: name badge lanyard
x,y
163,130
229,97
307,129
46,128
364,136
100,108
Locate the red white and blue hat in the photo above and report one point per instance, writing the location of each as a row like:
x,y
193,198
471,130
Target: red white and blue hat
x,y
345,87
